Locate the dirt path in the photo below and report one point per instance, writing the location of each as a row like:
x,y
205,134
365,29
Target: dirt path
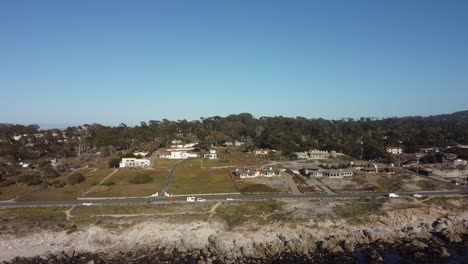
x,y
321,186
292,185
213,210
68,213
108,176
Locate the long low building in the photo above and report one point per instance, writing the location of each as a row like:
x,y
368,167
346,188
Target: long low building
x,y
248,173
177,155
133,162
339,173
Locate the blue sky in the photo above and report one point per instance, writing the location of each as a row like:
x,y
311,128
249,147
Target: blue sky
x,y
76,62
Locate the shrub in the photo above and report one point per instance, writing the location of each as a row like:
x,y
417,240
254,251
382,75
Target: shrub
x,y
114,162
141,179
6,183
34,181
58,184
109,183
75,178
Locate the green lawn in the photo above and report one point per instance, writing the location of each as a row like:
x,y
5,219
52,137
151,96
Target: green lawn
x,y
190,178
119,185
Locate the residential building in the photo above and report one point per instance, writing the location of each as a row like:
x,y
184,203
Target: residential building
x,y
394,150
211,155
248,173
317,172
459,162
320,154
263,151
177,155
133,162
301,155
430,150
448,157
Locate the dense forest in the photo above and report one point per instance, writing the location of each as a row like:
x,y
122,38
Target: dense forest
x,y
366,137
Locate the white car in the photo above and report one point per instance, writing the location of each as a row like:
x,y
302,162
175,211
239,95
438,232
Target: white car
x,y
87,204
393,195
191,199
417,195
229,199
201,200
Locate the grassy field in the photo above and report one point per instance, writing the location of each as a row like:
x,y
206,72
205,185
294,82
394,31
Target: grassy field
x,y
234,158
68,192
190,178
10,192
245,186
164,163
119,185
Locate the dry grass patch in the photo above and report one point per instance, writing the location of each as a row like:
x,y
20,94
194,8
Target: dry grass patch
x,y
68,192
189,178
123,187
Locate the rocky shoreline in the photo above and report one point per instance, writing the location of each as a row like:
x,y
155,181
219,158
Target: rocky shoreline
x,y
405,252
413,235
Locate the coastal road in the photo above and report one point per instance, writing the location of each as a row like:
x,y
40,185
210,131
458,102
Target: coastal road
x,y
179,199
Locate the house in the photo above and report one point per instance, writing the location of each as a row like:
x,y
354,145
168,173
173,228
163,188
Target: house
x,y
359,164
459,162
448,157
177,155
317,172
301,155
248,173
432,150
394,150
141,153
320,154
245,173
211,155
133,162
270,172
338,173
263,152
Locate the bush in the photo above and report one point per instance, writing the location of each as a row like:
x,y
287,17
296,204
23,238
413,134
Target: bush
x,y
75,178
34,181
114,162
141,179
6,183
109,183
58,184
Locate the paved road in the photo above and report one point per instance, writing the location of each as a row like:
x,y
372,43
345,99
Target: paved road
x,y
169,178
161,200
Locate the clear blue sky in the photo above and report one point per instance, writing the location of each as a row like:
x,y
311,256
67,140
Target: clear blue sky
x,y
75,62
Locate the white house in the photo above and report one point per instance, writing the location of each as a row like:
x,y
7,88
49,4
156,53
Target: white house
x,y
394,150
132,162
263,151
459,162
211,155
247,173
177,155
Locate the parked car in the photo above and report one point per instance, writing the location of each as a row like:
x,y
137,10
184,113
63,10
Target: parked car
x,y
417,195
201,200
191,199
